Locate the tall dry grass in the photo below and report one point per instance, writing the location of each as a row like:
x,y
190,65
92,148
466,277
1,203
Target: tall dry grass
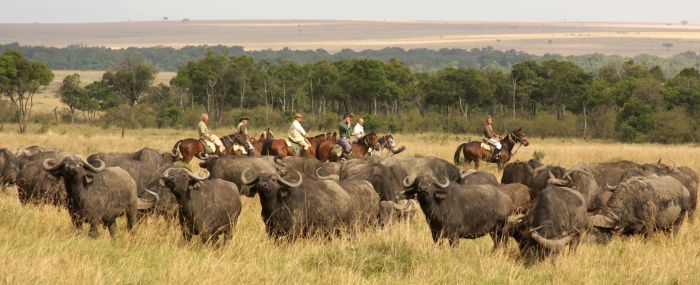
x,y
39,245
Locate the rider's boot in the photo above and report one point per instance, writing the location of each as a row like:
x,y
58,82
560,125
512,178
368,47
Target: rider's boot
x,y
251,152
496,154
302,152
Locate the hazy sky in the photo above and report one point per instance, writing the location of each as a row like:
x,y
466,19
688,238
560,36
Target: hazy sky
x,y
549,10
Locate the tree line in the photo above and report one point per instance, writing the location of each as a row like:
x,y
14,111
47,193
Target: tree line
x,y
78,57
630,102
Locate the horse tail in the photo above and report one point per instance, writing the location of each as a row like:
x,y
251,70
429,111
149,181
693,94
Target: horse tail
x,y
458,152
176,150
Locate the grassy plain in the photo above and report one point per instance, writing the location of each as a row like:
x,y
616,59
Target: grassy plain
x,y
567,38
38,244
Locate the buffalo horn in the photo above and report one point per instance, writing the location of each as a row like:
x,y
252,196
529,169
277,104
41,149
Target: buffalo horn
x,y
290,184
601,221
143,204
610,187
327,177
49,167
467,173
92,168
443,185
555,245
556,181
408,181
245,180
195,177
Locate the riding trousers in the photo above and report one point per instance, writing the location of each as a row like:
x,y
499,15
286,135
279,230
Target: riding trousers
x,y
345,143
495,143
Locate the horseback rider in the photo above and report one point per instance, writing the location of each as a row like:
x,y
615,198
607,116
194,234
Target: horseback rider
x,y
491,137
206,136
298,135
359,131
243,130
345,133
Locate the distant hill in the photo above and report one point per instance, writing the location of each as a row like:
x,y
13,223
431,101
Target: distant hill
x,y
537,38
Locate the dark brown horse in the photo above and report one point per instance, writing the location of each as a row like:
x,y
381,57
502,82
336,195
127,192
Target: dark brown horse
x,y
189,148
280,149
388,142
262,144
360,148
234,139
474,152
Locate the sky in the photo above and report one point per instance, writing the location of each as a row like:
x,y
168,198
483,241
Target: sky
x,y
80,11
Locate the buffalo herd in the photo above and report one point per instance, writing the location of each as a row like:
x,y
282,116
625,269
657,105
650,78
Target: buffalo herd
x,y
544,208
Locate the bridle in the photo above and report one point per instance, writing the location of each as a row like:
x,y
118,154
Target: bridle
x,y
517,139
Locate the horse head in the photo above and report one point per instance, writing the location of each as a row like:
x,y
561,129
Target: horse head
x,y
371,140
519,136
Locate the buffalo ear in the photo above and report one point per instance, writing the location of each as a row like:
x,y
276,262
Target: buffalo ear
x,y
88,178
440,194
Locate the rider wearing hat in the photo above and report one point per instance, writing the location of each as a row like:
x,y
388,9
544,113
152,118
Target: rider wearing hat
x,y
345,132
491,137
298,135
243,130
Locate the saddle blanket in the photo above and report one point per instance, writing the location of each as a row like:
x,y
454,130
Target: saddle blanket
x,y
486,146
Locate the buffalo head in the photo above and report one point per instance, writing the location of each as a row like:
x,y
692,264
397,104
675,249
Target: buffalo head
x,y
180,180
75,166
426,185
267,183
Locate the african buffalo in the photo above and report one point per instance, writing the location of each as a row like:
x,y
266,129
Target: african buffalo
x,y
383,179
644,204
520,172
540,179
8,168
416,166
230,168
295,207
455,211
308,165
36,185
581,181
519,194
97,195
557,219
207,207
142,165
477,177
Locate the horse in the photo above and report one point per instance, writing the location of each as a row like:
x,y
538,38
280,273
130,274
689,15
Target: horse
x,y
279,148
262,144
474,152
234,139
360,148
188,148
388,142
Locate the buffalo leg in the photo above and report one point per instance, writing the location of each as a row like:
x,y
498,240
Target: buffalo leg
x,y
112,227
454,241
94,231
131,216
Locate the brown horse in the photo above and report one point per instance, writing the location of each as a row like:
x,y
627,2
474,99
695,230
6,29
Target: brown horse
x,y
262,144
189,148
230,140
474,152
280,149
388,142
360,148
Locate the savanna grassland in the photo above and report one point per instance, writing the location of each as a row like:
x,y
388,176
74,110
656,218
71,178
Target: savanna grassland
x,y
566,38
39,245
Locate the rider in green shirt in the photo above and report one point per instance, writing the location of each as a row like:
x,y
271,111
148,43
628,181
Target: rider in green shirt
x,y
345,132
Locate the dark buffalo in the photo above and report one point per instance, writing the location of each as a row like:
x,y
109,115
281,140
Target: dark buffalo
x,y
540,179
611,173
295,207
644,204
556,220
477,177
520,172
97,195
207,207
36,185
583,182
455,211
26,154
382,178
9,168
416,166
520,194
684,175
142,165
309,165
230,168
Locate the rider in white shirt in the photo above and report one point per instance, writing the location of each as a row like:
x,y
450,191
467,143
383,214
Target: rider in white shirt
x,y
359,131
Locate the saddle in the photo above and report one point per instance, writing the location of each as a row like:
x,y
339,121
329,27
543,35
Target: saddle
x,y
486,145
296,148
209,147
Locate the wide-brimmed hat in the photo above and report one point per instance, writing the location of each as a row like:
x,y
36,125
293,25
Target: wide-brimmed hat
x,y
298,115
243,118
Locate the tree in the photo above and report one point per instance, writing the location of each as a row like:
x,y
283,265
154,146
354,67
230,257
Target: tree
x,y
20,79
365,78
131,80
71,93
564,83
